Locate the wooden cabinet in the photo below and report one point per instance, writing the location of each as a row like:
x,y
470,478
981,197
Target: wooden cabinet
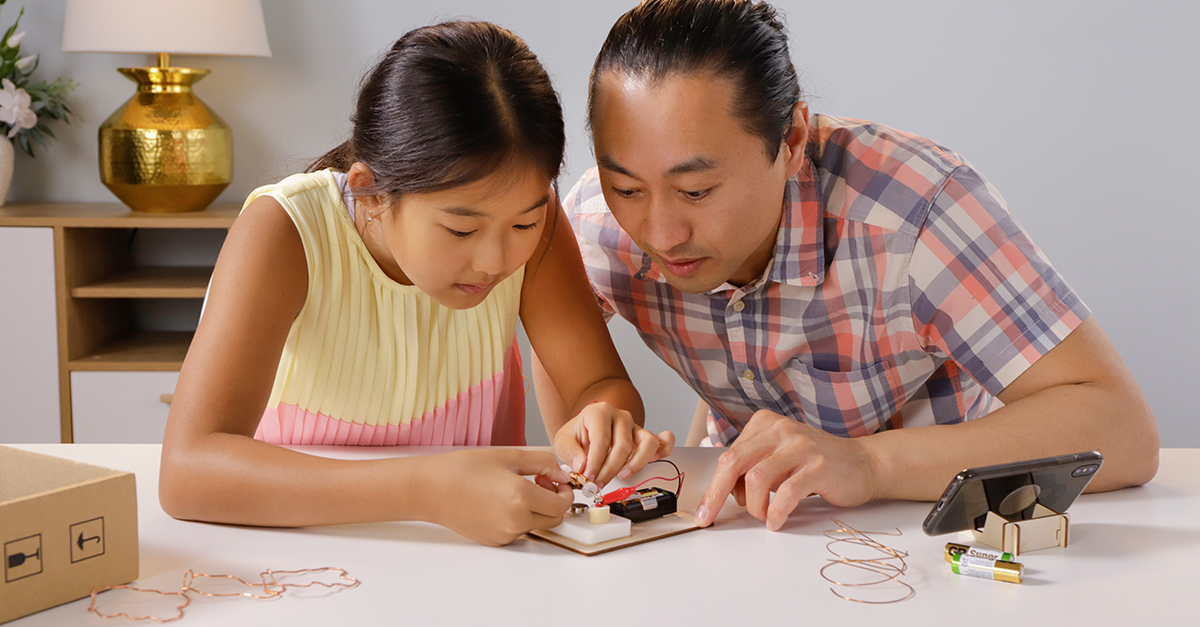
x,y
127,288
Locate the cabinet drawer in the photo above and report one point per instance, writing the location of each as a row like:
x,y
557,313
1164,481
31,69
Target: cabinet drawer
x,y
120,406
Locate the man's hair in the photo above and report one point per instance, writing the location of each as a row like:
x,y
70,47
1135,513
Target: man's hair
x,y
741,40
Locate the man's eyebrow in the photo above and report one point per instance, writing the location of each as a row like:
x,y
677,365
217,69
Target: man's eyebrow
x,y
695,164
608,163
468,212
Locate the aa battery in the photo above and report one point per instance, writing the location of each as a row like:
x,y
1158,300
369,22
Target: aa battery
x,y
999,570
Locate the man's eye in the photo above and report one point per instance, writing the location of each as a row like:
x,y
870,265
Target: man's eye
x,y
700,195
624,193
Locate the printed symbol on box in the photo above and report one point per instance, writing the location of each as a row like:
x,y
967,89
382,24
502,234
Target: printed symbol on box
x,y
22,558
87,539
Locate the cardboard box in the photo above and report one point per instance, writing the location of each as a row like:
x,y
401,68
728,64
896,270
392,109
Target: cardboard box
x,y
65,528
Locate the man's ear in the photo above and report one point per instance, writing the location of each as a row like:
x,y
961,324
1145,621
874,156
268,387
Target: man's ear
x,y
794,143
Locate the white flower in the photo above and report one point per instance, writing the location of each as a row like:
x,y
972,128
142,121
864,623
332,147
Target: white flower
x,y
15,108
15,40
26,62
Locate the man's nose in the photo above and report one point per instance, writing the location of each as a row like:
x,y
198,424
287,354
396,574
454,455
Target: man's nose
x,y
665,226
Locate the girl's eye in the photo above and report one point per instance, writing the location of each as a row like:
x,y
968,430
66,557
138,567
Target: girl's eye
x,y
525,227
624,193
459,233
700,195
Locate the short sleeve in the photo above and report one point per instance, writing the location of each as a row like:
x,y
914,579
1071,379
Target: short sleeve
x,y
983,295
586,192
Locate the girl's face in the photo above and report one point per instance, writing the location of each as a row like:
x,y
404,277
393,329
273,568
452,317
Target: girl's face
x,y
457,244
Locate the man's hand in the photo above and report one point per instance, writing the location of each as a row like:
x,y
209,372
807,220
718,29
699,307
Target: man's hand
x,y
777,454
603,442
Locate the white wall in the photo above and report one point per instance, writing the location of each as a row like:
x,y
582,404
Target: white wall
x,y
1081,113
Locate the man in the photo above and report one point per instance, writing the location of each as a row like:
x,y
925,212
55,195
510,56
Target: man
x,y
857,309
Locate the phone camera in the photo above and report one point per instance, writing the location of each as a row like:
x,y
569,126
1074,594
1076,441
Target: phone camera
x,y
1083,471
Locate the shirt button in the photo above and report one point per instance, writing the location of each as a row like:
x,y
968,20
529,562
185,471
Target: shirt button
x,y
747,375
738,306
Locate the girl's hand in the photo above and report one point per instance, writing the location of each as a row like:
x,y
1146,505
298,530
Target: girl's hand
x,y
482,494
603,442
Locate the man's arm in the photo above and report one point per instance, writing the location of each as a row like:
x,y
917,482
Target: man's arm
x,y
1077,397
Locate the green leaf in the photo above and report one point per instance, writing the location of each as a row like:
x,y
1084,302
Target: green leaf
x,y
12,29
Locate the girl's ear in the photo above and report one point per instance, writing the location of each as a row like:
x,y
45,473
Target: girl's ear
x,y
361,180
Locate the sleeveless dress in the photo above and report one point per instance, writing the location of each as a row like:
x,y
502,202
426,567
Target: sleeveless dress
x,y
369,361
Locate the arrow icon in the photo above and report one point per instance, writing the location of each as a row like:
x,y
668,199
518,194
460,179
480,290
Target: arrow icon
x,y
82,540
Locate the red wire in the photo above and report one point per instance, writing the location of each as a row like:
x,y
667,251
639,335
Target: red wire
x,y
621,494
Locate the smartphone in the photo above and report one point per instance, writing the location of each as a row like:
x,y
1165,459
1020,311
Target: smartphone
x,y
1011,490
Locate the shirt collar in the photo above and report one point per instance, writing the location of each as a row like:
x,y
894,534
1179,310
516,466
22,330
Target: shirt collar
x,y
799,257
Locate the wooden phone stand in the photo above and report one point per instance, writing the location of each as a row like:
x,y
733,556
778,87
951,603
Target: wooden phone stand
x,y
1047,528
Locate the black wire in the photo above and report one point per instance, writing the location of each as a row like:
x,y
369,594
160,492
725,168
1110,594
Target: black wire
x,y
678,473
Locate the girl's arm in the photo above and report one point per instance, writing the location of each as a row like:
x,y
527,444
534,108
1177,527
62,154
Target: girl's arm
x,y
213,469
605,438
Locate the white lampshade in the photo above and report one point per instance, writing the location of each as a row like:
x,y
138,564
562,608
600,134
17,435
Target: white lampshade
x,y
220,27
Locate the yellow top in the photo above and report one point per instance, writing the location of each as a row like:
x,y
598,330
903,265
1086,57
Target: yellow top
x,y
371,361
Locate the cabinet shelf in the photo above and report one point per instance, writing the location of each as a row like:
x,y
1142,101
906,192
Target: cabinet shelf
x,y
140,351
149,282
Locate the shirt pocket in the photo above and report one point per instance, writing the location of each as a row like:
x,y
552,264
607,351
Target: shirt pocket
x,y
845,403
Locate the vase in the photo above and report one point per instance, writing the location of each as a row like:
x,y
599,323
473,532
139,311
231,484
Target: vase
x,y
6,168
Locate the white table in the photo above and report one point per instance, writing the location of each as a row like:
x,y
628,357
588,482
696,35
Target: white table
x,y
1132,561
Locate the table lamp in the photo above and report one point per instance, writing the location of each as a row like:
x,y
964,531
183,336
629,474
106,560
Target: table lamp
x,y
164,150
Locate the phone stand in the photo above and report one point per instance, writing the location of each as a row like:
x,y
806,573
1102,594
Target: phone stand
x,y
1047,528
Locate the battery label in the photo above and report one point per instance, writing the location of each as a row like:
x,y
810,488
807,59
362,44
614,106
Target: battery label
x,y
976,567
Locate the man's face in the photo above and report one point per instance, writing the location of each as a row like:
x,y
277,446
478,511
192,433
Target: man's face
x,y
693,188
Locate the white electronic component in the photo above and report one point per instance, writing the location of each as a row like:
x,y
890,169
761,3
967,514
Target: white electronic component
x,y
577,527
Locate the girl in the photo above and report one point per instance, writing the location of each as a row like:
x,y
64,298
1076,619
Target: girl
x,y
374,300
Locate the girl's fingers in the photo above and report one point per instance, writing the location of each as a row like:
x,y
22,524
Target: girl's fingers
x,y
666,444
599,432
647,448
619,452
549,503
571,452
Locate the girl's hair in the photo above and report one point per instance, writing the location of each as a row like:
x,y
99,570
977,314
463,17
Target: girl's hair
x,y
451,104
737,39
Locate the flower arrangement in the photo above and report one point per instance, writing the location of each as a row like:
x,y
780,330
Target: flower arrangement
x,y
24,107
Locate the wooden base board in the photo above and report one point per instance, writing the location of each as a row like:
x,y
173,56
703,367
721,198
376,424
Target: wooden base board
x,y
671,525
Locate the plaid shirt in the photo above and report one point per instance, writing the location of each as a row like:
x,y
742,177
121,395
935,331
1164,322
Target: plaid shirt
x,y
901,292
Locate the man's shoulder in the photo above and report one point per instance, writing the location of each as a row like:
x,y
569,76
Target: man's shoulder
x,y
876,174
586,196
607,249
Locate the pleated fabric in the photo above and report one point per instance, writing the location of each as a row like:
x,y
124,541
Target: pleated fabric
x,y
369,361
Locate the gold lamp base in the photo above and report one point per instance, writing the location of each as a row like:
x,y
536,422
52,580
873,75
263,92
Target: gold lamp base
x,y
165,150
